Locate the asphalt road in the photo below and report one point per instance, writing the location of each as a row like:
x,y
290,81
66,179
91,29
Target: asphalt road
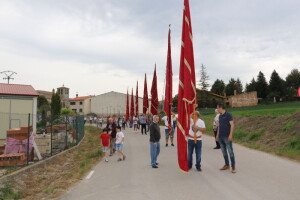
x,y
260,176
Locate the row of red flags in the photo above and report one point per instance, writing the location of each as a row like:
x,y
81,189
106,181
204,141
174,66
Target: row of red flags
x,y
186,89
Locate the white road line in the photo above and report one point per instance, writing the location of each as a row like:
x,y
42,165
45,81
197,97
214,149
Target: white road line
x,y
90,175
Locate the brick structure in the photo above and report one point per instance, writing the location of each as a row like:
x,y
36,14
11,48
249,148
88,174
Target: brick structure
x,y
12,159
242,100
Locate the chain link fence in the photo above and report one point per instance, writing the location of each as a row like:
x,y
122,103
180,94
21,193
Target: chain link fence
x,y
26,138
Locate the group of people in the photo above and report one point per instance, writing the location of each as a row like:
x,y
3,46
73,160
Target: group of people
x,y
223,128
113,138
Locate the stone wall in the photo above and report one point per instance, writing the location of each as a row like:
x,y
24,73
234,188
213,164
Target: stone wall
x,y
243,100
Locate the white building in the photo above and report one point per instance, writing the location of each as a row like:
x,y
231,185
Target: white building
x,y
81,105
16,102
112,103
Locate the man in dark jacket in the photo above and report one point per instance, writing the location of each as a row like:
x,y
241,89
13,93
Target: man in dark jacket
x,y
111,127
154,141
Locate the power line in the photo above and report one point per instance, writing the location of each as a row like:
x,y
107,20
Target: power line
x,y
8,75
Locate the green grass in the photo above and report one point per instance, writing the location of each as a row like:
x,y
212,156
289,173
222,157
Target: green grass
x,y
288,125
7,192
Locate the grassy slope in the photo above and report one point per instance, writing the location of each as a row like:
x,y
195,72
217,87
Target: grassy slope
x,y
272,128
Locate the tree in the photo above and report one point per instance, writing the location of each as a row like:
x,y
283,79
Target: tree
x,y
251,87
203,83
276,86
239,86
55,105
66,111
293,79
230,87
43,108
218,87
261,85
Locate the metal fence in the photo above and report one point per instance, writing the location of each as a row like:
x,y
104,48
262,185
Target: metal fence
x,y
45,137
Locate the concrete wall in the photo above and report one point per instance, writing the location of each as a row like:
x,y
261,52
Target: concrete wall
x,y
243,100
14,113
86,106
112,103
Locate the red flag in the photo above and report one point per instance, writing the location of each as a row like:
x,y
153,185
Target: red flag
x,y
132,106
127,106
145,100
187,87
299,92
169,86
137,99
154,95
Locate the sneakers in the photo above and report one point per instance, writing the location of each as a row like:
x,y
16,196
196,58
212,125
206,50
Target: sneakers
x,y
199,169
217,148
225,167
106,160
172,145
120,159
166,145
155,167
124,157
233,170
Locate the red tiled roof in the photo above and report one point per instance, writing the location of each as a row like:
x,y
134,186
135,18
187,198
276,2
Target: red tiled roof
x,y
18,90
81,98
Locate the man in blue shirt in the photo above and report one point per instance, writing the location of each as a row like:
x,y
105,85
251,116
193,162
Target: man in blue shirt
x,y
143,121
224,136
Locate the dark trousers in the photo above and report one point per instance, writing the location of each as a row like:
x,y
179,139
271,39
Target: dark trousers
x,y
144,128
217,143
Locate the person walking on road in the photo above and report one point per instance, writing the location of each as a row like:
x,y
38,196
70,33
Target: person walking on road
x,y
195,128
224,136
105,139
111,127
120,143
167,128
143,121
154,141
215,128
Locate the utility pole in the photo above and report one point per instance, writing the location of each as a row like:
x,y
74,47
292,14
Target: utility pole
x,y
8,75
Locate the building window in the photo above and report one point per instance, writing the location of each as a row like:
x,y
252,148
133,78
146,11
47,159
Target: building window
x,y
67,91
81,102
73,103
80,110
75,110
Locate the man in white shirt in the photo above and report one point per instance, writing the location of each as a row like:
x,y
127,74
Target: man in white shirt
x,y
167,134
195,139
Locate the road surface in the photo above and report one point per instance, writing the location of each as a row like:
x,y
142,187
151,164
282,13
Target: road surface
x,y
260,176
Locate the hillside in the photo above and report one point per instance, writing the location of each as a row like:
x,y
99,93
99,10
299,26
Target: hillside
x,y
268,128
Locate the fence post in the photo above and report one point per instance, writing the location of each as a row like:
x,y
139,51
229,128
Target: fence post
x,y
77,134
51,123
28,135
66,137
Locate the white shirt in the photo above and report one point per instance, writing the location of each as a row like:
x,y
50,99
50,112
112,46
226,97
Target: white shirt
x,y
200,123
216,119
119,137
135,120
165,119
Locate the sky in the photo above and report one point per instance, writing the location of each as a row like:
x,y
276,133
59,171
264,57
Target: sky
x,y
97,46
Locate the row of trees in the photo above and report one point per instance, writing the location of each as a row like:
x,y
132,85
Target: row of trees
x,y
277,87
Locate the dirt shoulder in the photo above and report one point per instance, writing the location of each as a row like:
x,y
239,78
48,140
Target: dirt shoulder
x,y
275,134
53,180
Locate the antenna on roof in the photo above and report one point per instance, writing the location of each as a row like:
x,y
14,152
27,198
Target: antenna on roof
x,y
8,75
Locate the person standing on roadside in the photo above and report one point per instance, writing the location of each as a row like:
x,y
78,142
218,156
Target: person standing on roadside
x,y
111,127
224,136
154,141
197,127
105,139
215,128
169,133
120,143
143,121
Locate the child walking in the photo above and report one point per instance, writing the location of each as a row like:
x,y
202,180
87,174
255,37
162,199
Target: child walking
x,y
105,138
120,143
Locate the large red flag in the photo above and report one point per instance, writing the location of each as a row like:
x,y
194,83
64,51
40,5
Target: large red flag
x,y
127,106
187,87
145,98
299,92
169,86
154,95
132,106
137,99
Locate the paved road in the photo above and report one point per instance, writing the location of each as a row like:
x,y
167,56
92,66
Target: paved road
x,y
260,176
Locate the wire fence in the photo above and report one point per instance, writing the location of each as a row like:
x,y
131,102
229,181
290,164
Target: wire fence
x,y
26,138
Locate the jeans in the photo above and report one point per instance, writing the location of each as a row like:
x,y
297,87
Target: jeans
x,y
198,149
154,152
227,146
